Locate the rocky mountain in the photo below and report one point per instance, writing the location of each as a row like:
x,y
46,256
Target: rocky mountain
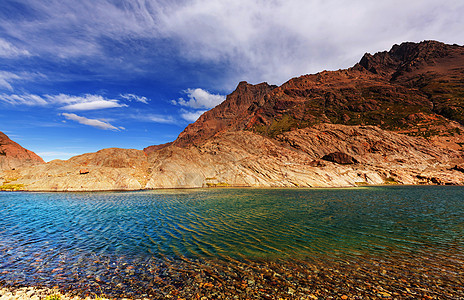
x,y
394,117
12,155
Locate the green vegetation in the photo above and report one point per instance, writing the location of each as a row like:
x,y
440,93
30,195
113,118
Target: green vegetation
x,y
219,184
11,187
279,126
447,97
390,180
361,183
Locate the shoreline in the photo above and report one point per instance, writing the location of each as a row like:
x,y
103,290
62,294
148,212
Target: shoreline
x,y
236,187
44,293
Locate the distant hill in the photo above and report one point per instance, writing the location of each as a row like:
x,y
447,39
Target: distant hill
x,y
396,117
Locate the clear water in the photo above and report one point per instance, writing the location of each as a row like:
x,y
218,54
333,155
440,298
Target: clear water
x,y
39,232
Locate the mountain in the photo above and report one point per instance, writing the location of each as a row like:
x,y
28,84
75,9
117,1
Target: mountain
x,y
396,117
12,155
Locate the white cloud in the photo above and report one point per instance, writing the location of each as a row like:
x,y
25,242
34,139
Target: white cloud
x,y
91,122
87,102
199,98
191,116
132,97
9,51
260,40
276,40
26,99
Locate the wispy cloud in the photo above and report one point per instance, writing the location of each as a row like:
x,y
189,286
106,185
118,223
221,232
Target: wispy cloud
x,y
94,105
90,122
26,99
8,50
132,97
155,118
260,40
63,101
199,98
7,79
86,102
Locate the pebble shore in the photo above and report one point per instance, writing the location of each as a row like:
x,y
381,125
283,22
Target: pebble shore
x,y
424,277
32,293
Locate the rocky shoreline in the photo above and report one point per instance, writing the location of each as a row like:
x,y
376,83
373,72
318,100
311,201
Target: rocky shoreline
x,y
425,276
38,293
33,293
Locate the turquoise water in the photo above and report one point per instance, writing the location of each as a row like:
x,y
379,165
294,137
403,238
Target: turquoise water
x,y
44,231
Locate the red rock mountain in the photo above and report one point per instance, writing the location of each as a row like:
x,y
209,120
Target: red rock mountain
x,y
12,155
413,88
395,117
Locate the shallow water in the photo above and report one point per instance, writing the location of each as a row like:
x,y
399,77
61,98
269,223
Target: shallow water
x,y
101,240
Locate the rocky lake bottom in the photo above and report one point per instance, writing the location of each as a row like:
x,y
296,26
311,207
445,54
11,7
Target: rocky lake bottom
x,y
364,243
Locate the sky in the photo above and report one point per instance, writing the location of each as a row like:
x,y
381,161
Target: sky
x,y
79,76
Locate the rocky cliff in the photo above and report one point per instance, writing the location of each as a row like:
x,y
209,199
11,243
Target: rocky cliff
x,y
395,117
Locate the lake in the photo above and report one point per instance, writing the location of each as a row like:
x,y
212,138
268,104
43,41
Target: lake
x,y
392,241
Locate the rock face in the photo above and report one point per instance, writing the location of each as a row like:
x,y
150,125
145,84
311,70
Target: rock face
x,y
395,117
294,159
13,156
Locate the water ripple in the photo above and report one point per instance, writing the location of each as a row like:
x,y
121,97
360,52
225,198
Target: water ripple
x,y
41,232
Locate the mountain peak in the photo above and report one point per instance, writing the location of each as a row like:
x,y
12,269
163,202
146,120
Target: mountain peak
x,y
229,114
407,57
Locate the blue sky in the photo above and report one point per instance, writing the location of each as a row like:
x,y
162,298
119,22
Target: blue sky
x,y
79,76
